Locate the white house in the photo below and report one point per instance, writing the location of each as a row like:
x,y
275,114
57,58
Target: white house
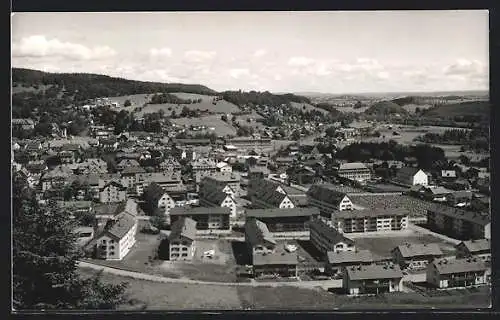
x,y
118,237
224,167
412,176
449,273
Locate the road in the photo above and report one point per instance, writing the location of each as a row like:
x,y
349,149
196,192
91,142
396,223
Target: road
x,y
149,277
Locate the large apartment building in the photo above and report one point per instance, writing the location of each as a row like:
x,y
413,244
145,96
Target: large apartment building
x,y
181,240
459,223
118,237
370,220
354,171
327,239
209,220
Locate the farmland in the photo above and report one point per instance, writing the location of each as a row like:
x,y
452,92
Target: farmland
x,y
221,128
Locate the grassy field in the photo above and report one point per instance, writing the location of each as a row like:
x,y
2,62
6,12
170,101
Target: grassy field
x,y
147,295
382,245
221,128
416,207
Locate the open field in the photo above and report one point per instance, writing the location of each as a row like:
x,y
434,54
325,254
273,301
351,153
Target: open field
x,y
382,245
136,100
221,128
416,207
308,107
147,295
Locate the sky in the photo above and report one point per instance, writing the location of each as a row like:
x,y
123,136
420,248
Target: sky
x,y
328,52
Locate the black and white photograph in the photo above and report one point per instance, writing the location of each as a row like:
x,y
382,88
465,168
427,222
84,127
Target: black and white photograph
x,y
250,160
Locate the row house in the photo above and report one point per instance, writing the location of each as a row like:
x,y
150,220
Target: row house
x,y
480,249
373,279
370,220
338,261
182,240
327,239
459,223
268,258
458,273
416,256
209,220
328,199
290,223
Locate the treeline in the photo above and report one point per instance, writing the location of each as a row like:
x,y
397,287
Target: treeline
x,y
89,86
241,98
427,156
328,107
455,136
161,98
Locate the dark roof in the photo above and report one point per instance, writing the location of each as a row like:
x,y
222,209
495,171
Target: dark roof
x,y
256,232
182,211
326,193
276,212
418,250
449,266
158,177
330,234
153,192
216,196
123,223
374,271
128,163
474,246
352,257
280,257
273,198
458,213
133,169
185,227
117,184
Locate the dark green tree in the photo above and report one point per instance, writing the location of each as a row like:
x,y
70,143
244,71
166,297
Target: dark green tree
x,y
127,103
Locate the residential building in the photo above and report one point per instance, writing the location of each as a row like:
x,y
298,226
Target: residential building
x,y
257,184
416,256
370,220
221,180
328,200
249,143
274,199
170,181
327,239
19,125
112,192
452,273
268,258
373,279
126,163
410,176
290,223
353,171
202,167
459,223
480,249
448,174
170,164
218,198
459,198
209,220
118,237
157,198
56,178
224,167
337,261
182,243
436,194
93,165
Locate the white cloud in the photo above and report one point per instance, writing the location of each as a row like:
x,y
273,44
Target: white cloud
x,y
199,56
259,53
162,52
238,73
383,75
300,61
39,46
467,69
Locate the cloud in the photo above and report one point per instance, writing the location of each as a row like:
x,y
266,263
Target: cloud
x,y
162,52
199,56
259,53
238,73
300,61
39,46
467,69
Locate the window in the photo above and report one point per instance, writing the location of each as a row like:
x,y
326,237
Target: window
x,y
184,249
112,247
184,255
112,253
111,241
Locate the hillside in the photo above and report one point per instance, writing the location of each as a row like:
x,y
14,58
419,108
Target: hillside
x,y
88,86
241,98
480,109
384,108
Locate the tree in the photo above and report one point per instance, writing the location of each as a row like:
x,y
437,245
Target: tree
x,y
464,160
295,135
45,260
224,118
127,103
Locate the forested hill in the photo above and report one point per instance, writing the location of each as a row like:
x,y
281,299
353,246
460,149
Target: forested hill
x,y
241,98
88,86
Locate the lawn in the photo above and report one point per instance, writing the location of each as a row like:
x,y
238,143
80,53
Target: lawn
x,y
382,245
221,128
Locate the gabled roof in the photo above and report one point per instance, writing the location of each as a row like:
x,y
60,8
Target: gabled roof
x,y
458,213
116,184
256,232
128,163
132,169
474,246
185,227
326,193
153,192
418,250
121,225
274,198
449,266
374,271
406,173
217,196
350,257
276,212
328,233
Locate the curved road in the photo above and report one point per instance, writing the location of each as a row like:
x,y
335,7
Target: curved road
x,y
149,277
